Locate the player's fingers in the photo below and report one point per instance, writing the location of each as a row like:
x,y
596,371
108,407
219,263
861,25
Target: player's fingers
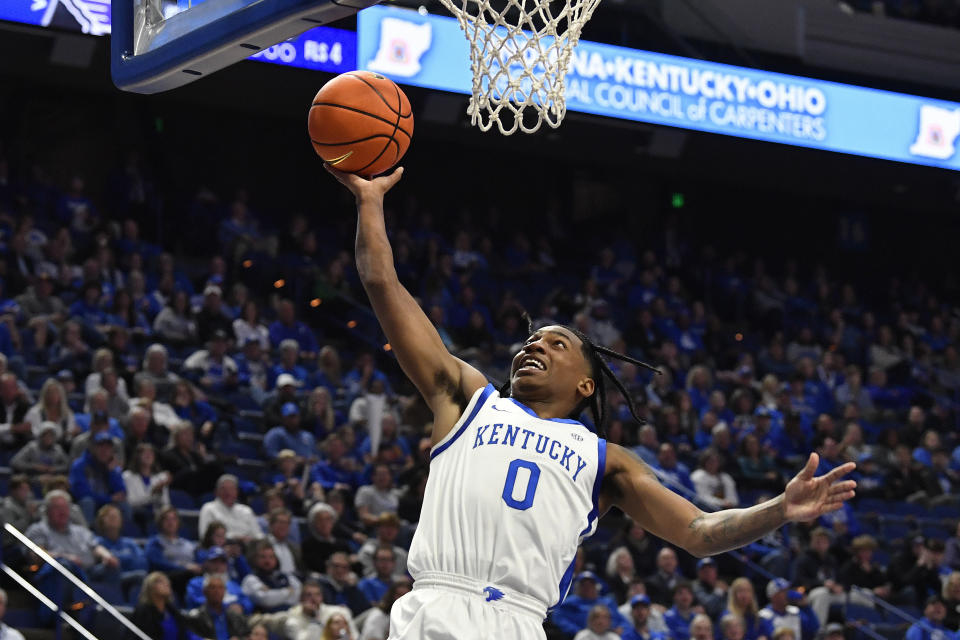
x,y
840,471
842,487
394,177
811,467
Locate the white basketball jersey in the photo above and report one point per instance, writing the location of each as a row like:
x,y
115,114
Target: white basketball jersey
x,y
509,498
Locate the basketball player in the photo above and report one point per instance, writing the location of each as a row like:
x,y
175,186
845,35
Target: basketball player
x,y
516,482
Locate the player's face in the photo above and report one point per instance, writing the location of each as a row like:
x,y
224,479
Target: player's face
x,y
551,359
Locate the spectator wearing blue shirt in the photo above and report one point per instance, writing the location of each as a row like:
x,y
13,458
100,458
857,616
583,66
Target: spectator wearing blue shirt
x,y
95,480
360,379
288,435
672,472
287,327
289,356
217,618
648,446
571,615
928,445
742,602
374,587
216,564
133,561
639,617
89,309
336,469
680,615
930,627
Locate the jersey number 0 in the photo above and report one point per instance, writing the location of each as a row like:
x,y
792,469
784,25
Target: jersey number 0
x,y
510,484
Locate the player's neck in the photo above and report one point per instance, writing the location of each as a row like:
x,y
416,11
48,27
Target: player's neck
x,y
546,409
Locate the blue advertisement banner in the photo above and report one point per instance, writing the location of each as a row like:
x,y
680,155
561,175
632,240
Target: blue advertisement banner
x,y
431,51
320,48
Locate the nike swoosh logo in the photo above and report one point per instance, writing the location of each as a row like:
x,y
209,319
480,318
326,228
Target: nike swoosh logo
x,y
496,408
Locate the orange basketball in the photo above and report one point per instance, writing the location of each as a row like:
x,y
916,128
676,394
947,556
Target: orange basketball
x,y
360,122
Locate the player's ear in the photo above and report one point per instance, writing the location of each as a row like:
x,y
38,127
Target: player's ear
x,y
586,386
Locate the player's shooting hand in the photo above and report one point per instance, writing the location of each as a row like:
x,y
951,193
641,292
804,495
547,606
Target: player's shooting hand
x,y
362,187
807,498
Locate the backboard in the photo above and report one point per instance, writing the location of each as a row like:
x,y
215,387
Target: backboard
x,y
158,45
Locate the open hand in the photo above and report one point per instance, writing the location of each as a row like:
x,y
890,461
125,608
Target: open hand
x,y
363,188
807,498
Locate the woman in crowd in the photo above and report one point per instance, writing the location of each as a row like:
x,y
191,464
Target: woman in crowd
x,y
216,536
52,407
170,553
199,413
742,603
155,613
102,359
192,469
147,486
249,325
715,489
337,628
174,325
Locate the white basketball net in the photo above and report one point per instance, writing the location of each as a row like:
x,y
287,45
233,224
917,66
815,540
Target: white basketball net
x,y
519,53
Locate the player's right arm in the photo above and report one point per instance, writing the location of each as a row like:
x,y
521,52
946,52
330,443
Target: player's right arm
x,y
445,382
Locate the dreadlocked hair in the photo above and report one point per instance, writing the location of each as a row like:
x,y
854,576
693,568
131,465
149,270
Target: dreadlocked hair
x,y
600,372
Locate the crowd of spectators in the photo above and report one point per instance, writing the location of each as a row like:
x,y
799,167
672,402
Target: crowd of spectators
x,y
181,438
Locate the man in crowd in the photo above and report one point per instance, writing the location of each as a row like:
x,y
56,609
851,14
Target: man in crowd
x,y
709,592
798,617
216,564
289,435
639,617
96,480
268,587
388,528
278,533
571,615
384,564
307,620
215,620
338,587
377,498
239,519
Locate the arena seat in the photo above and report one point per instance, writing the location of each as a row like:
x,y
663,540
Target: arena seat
x,y
864,613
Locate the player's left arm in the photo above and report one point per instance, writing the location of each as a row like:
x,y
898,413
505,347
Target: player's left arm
x,y
633,487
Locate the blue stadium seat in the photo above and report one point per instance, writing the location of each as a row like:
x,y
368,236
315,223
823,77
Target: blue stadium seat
x,y
867,614
109,591
946,511
182,499
871,505
934,531
21,618
894,529
907,509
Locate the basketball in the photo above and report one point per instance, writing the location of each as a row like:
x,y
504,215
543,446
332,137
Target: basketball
x,y
360,122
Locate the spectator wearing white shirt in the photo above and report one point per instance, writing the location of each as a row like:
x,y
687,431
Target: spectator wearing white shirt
x,y
307,620
377,498
715,489
598,625
287,552
239,519
7,632
102,359
147,486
